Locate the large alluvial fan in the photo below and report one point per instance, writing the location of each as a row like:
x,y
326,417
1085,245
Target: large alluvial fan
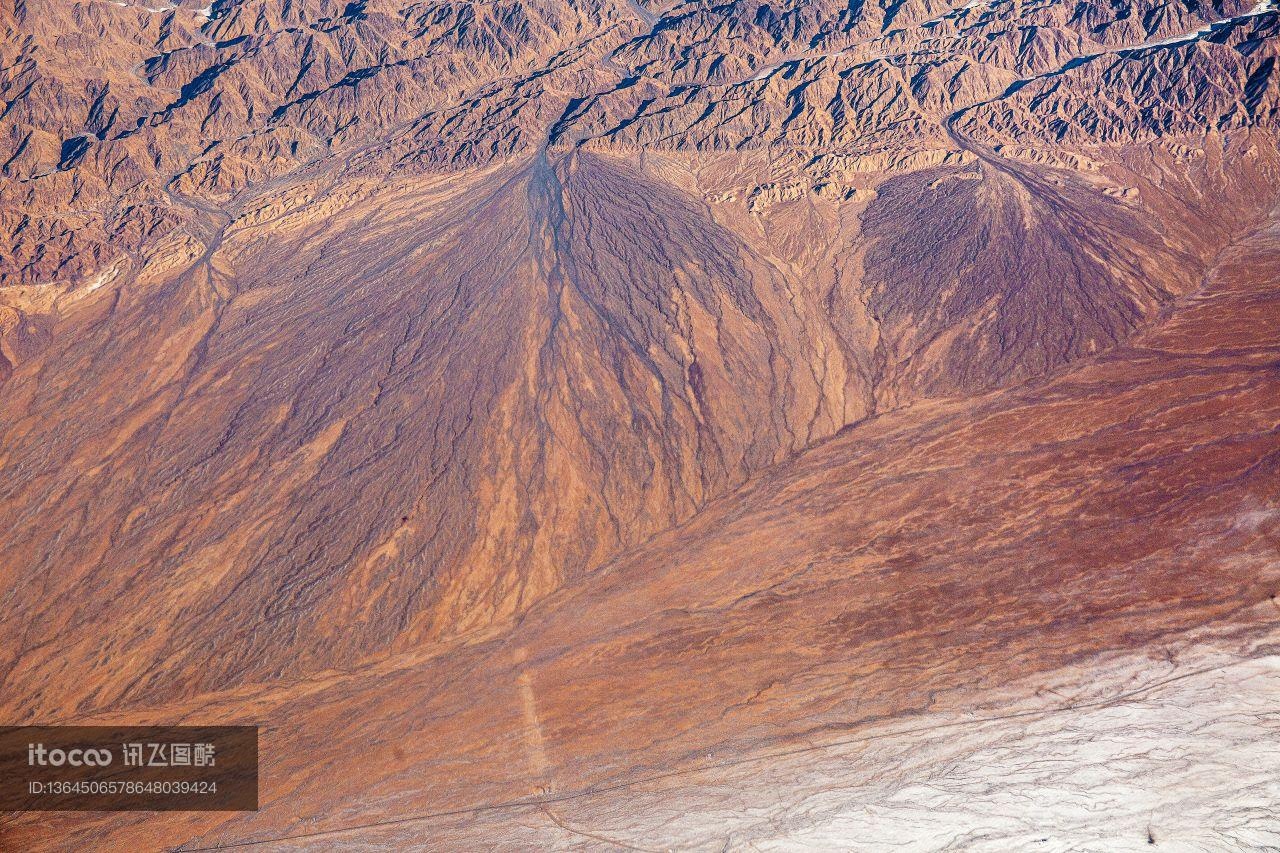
x,y
734,352
339,330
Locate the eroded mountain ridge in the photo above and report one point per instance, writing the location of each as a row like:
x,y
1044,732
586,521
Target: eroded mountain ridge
x,y
114,112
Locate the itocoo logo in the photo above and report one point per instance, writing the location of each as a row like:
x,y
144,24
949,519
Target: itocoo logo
x,y
38,756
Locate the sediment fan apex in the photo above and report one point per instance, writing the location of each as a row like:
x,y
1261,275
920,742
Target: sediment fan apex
x,y
344,339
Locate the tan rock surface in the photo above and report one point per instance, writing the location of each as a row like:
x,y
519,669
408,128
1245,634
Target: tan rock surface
x,y
596,393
